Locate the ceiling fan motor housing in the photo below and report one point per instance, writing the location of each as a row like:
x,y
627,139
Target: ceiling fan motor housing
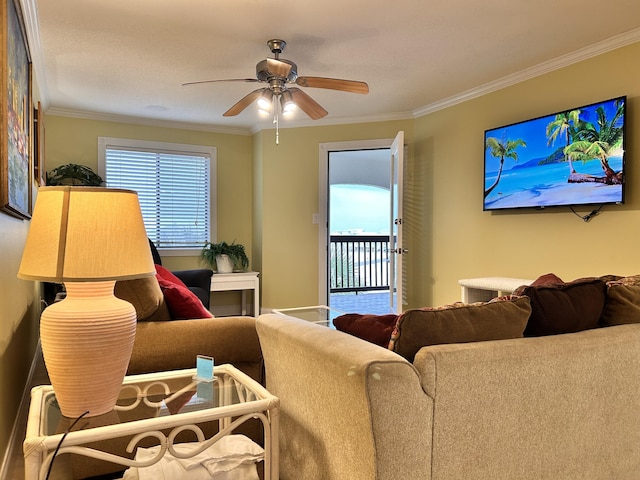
x,y
280,68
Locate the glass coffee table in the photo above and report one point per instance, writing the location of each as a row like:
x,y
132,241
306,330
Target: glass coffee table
x,y
320,314
166,409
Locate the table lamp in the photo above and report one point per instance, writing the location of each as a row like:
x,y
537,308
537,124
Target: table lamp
x,y
87,238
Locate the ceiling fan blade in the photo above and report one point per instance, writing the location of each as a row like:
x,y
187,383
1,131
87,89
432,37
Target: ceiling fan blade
x,y
243,103
226,80
352,86
307,104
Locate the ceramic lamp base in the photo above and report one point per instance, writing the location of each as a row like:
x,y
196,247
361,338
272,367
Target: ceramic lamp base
x,y
87,340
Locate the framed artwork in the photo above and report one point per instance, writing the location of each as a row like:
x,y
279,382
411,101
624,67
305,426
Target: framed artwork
x,y
15,117
38,146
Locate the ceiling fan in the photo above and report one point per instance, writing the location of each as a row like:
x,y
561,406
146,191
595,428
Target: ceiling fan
x,y
279,73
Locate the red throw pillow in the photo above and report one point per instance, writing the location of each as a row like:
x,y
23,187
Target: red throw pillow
x,y
372,328
182,302
546,279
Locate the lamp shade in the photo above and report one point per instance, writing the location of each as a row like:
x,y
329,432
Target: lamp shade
x,y
83,234
87,238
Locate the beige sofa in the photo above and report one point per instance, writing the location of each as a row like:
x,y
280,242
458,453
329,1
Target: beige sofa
x,y
559,407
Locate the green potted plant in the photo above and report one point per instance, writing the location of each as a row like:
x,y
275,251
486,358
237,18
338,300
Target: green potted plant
x,y
74,174
225,257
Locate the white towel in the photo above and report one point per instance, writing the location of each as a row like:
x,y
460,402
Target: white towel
x,y
232,457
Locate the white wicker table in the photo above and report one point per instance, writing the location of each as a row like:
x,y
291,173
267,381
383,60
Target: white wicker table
x,y
153,408
483,289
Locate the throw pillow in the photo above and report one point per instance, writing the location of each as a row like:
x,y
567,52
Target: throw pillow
x,y
146,297
498,319
546,279
182,302
372,328
565,308
622,305
611,278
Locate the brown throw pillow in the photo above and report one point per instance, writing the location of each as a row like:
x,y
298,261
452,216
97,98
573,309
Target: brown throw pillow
x,y
622,305
566,308
146,297
372,328
498,319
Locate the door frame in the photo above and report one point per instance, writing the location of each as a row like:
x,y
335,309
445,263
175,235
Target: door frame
x,y
323,198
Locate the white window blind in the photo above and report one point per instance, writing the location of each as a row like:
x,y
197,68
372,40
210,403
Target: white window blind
x,y
173,186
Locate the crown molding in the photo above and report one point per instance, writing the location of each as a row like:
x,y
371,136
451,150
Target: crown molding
x,y
31,23
107,117
618,41
328,121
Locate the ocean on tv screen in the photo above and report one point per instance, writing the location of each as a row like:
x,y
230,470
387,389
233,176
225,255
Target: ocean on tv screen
x,y
547,185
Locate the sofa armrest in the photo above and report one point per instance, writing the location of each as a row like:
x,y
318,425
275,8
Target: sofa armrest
x,y
559,406
173,345
349,408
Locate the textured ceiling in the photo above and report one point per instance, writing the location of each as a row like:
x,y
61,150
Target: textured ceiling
x,y
129,58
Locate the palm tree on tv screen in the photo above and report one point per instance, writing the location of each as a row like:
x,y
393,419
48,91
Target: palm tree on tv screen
x,y
502,149
599,142
561,126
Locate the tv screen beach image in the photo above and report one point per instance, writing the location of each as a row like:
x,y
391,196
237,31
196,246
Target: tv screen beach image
x,y
570,158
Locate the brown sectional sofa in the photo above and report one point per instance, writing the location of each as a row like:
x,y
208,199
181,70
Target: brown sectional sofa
x,y
564,406
163,343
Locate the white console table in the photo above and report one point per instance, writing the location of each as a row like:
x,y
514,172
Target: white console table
x,y
222,282
485,288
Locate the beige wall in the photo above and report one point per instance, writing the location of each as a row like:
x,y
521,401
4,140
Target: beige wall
x,y
74,140
467,242
448,235
290,173
19,313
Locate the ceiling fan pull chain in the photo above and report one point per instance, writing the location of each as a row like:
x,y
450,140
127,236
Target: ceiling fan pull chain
x,y
275,118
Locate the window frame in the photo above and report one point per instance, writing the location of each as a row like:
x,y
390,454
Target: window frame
x,y
178,148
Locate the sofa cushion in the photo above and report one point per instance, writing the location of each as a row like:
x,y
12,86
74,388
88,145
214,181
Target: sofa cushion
x,y
146,297
182,302
622,304
565,308
372,328
546,279
498,319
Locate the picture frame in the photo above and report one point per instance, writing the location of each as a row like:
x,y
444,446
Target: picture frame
x,y
39,174
16,125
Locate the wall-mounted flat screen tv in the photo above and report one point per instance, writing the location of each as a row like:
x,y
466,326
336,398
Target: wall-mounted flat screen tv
x,y
570,158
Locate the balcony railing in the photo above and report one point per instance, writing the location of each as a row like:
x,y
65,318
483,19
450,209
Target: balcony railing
x,y
358,263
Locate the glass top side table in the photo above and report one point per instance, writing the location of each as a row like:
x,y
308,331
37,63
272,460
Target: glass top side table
x,y
154,407
320,314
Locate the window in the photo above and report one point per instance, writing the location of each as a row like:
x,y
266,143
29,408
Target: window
x,y
174,184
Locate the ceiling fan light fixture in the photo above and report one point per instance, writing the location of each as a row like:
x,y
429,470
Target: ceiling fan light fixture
x,y
265,100
288,105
